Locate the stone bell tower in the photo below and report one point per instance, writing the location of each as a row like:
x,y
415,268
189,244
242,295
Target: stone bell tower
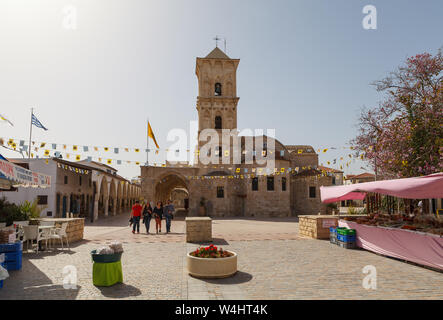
x,y
217,92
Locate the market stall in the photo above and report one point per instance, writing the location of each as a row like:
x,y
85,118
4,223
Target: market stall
x,y
17,176
417,238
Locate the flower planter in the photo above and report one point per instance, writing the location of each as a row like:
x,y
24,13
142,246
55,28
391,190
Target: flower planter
x,y
212,268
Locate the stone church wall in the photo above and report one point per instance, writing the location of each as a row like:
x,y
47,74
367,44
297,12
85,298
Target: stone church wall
x,y
264,203
302,203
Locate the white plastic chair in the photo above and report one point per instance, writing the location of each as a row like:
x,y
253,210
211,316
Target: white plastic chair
x,y
60,233
46,234
30,234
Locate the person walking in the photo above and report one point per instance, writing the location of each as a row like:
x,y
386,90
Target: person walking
x,y
169,215
136,212
158,214
147,215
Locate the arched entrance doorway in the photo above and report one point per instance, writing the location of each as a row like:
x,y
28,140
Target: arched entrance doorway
x,y
103,197
174,187
112,198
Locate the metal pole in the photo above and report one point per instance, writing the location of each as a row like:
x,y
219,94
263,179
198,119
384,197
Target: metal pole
x,y
147,143
30,134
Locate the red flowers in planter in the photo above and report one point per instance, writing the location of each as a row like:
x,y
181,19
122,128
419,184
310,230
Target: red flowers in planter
x,y
210,252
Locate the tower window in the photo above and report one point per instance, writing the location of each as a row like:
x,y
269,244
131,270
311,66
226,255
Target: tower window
x,y
283,184
218,122
270,183
255,184
220,192
218,89
312,192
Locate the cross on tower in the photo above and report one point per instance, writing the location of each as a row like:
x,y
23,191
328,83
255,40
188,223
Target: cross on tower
x,y
217,39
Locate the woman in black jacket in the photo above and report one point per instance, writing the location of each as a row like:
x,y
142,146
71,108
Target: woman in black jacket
x,y
147,215
158,213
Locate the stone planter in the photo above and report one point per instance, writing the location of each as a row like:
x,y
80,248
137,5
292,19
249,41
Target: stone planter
x,y
212,268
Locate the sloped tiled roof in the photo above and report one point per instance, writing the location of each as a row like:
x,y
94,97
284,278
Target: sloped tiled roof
x,y
360,176
364,175
217,54
329,169
304,148
96,164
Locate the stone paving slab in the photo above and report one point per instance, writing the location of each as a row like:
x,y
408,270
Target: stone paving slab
x,y
154,267
222,229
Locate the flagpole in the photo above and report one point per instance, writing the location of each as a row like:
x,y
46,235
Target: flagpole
x,y
147,143
30,134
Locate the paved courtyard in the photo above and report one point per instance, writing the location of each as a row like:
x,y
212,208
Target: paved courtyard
x,y
274,263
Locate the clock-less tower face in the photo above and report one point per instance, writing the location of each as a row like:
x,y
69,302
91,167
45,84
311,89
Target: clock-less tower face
x,y
217,91
217,102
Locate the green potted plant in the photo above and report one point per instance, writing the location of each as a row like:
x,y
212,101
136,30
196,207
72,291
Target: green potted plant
x,y
10,212
32,210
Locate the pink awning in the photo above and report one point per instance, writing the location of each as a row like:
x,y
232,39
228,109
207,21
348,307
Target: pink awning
x,y
426,187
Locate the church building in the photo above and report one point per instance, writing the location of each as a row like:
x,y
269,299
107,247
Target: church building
x,y
231,188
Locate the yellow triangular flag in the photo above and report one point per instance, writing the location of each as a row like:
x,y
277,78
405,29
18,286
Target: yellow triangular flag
x,y
151,135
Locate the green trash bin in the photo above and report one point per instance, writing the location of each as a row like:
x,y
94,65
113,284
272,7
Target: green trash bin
x,y
106,269
107,274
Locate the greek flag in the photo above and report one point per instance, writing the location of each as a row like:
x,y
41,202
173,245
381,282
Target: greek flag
x,y
37,123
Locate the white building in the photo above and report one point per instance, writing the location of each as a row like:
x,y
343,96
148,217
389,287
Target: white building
x,y
89,189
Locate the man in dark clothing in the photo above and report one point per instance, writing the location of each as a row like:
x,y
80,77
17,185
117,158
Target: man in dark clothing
x,y
168,212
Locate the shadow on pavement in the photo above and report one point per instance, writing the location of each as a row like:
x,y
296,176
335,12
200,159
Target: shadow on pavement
x,y
46,253
239,277
31,283
54,292
120,290
215,241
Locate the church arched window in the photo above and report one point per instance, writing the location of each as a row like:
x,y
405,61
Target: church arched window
x,y
218,122
218,89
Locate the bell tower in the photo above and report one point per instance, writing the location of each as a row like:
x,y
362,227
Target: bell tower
x,y
217,91
217,102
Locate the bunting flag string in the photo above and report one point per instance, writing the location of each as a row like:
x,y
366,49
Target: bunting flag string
x,y
66,148
118,150
240,173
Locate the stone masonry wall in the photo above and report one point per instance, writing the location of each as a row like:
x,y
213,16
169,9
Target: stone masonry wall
x,y
198,229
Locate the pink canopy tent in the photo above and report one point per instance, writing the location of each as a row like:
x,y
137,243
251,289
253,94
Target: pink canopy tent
x,y
426,187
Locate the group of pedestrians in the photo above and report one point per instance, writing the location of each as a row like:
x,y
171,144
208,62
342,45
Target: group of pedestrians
x,y
146,213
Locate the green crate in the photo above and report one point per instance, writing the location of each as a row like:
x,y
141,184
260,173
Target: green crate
x,y
346,231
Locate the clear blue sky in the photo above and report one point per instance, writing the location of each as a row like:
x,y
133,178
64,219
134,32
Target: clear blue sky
x,y
305,69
